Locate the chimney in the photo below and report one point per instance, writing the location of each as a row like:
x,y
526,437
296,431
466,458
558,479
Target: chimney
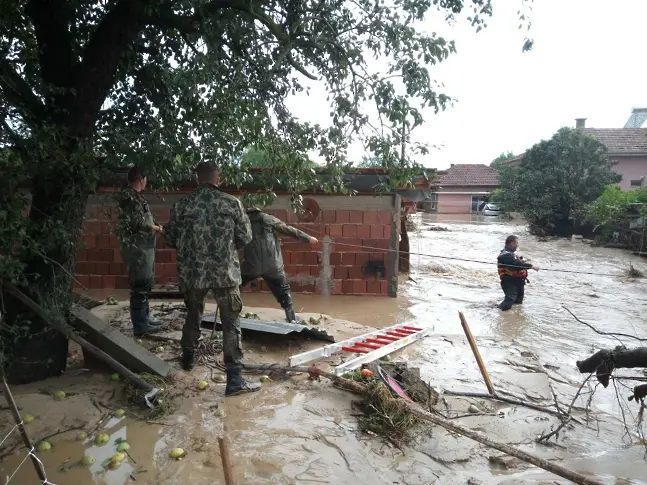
x,y
580,122
451,165
637,118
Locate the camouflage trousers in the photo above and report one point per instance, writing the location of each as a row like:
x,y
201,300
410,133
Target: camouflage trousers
x,y
229,305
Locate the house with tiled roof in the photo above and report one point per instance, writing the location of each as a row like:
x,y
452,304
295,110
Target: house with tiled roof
x,y
464,188
626,147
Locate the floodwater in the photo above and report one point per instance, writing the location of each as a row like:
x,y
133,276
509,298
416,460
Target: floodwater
x,y
301,432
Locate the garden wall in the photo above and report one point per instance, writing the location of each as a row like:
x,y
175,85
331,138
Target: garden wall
x,y
356,255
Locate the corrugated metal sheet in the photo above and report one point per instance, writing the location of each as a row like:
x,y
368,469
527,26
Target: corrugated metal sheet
x,y
279,328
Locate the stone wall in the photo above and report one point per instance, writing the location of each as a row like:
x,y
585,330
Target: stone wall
x,y
356,236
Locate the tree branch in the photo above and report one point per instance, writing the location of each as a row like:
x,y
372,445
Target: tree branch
x,y
101,57
20,95
51,20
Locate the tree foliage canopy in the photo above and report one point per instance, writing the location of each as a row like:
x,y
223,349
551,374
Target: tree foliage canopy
x,y
498,161
557,179
612,210
89,86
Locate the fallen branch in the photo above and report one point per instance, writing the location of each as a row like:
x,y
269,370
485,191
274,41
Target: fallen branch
x,y
600,332
417,411
603,362
566,418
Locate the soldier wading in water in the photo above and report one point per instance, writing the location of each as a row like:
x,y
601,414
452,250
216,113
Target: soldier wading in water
x,y
513,273
207,228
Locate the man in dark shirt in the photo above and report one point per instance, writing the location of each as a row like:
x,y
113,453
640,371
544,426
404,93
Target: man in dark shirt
x,y
513,272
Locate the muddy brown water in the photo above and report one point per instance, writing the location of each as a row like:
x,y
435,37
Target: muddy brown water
x,y
300,432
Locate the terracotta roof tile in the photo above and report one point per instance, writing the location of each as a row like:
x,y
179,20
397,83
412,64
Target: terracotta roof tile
x,y
470,175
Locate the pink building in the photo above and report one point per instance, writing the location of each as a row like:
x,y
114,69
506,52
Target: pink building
x,y
464,188
627,148
628,151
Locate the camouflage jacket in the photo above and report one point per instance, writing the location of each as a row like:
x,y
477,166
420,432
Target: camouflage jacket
x,y
135,221
263,254
206,228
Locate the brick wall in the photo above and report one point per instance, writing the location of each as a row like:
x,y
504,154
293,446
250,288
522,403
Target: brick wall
x,y
351,258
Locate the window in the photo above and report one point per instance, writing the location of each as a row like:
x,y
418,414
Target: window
x,y
637,183
478,201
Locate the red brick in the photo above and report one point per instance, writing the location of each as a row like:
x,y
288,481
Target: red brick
x,y
348,259
82,255
169,270
102,268
103,241
328,216
384,285
163,256
297,258
82,281
92,227
311,258
159,269
315,271
286,257
116,256
340,272
349,230
377,231
347,287
280,214
359,287
383,217
382,244
363,230
303,270
342,217
374,287
109,281
173,254
356,217
117,268
334,230
336,259
370,217
94,255
361,258
107,255
89,241
96,282
114,242
355,272
336,288
349,244
121,282
291,270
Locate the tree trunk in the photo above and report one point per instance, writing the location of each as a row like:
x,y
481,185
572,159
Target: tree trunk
x,y
405,258
32,349
603,362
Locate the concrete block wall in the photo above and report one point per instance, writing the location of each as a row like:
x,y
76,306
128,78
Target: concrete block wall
x,y
355,235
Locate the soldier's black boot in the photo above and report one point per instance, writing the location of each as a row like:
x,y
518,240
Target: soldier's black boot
x,y
290,315
236,384
188,359
139,317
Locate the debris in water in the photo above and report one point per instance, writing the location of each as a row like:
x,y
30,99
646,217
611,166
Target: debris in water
x,y
59,395
44,447
634,273
473,409
202,385
27,418
177,453
101,439
438,228
120,413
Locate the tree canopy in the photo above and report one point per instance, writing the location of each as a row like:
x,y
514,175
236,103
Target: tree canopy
x,y
498,161
86,87
557,179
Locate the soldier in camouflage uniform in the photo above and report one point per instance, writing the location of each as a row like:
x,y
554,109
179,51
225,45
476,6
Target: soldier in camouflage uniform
x,y
207,227
263,258
137,232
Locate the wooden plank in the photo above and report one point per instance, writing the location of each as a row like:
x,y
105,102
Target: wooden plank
x,y
117,345
393,269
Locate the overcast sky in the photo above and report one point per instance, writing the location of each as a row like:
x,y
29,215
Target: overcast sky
x,y
588,61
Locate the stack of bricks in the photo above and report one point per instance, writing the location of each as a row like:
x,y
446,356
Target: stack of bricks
x,y
355,266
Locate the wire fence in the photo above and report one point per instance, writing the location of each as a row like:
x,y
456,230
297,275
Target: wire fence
x,y
30,453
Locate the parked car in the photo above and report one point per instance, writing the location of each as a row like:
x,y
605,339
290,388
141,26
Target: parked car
x,y
492,210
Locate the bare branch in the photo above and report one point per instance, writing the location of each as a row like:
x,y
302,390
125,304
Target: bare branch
x,y
599,332
20,95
